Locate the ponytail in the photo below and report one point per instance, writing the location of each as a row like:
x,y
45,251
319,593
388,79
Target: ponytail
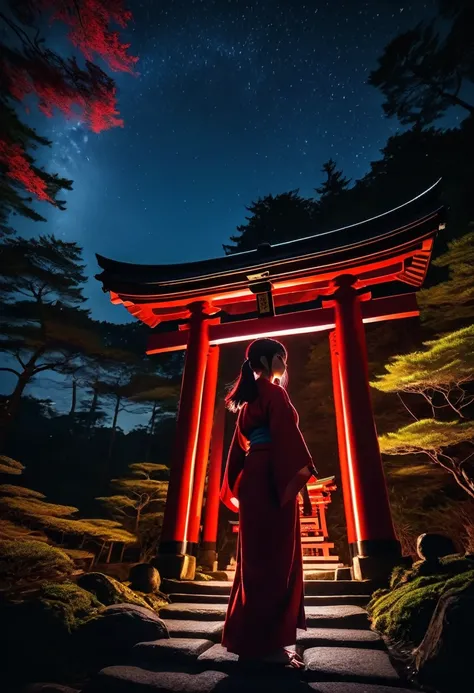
x,y
243,390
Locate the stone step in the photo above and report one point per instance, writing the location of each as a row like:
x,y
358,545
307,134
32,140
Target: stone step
x,y
310,600
206,630
327,587
196,586
172,652
337,600
312,587
334,663
177,598
338,616
312,637
194,612
339,637
348,664
132,679
323,663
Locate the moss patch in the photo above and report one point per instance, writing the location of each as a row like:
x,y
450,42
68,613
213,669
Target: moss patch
x,y
209,575
403,613
25,563
110,591
72,604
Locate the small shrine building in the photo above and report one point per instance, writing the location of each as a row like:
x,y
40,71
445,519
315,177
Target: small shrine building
x,y
335,282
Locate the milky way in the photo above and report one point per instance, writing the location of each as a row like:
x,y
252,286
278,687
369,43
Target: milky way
x,y
233,100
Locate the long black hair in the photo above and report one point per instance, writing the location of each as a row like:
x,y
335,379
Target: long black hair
x,y
245,387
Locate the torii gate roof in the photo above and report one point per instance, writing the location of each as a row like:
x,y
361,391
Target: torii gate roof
x,y
394,246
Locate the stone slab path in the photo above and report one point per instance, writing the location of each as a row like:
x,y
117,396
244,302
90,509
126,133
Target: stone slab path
x,y
341,653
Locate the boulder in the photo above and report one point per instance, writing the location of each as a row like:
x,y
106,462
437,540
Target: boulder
x,y
444,657
107,638
144,577
110,591
451,564
431,547
404,613
38,630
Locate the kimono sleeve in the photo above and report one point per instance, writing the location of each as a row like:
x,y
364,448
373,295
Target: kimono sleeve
x,y
292,462
233,470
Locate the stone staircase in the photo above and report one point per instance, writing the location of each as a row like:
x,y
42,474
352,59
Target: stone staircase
x,y
341,653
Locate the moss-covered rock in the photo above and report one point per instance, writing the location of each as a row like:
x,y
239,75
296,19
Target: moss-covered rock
x,y
26,563
144,577
37,631
110,591
109,638
209,575
404,612
155,601
72,604
448,565
444,657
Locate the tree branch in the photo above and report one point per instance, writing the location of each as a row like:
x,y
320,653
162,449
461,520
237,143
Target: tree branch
x,y
11,370
406,407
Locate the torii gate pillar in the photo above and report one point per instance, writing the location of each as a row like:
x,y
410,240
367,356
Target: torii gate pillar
x,y
376,548
208,548
173,560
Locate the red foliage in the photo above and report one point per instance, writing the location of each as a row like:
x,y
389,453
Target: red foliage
x,y
59,83
86,94
13,157
90,33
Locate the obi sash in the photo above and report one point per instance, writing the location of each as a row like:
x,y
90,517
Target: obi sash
x,y
260,435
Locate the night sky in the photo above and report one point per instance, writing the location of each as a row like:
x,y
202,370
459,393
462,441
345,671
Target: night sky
x,y
234,100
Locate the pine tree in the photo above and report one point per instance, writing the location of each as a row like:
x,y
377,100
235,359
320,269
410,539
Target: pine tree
x,y
27,514
441,442
333,203
334,184
44,327
422,75
442,375
274,219
451,302
18,172
139,503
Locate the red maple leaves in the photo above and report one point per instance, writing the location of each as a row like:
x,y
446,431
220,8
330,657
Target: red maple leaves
x,y
19,168
59,83
88,94
90,33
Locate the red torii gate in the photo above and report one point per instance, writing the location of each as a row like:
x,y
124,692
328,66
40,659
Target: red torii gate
x,y
319,283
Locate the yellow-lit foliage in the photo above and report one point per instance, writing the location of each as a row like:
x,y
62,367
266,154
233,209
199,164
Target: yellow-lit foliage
x,y
426,436
10,466
20,492
25,562
11,531
35,508
447,362
451,302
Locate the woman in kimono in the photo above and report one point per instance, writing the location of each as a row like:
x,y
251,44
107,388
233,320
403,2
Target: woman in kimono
x,y
267,467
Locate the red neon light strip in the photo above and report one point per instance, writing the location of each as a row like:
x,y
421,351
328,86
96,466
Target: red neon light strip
x,y
307,321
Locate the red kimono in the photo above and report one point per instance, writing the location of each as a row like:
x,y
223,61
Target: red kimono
x,y
262,483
